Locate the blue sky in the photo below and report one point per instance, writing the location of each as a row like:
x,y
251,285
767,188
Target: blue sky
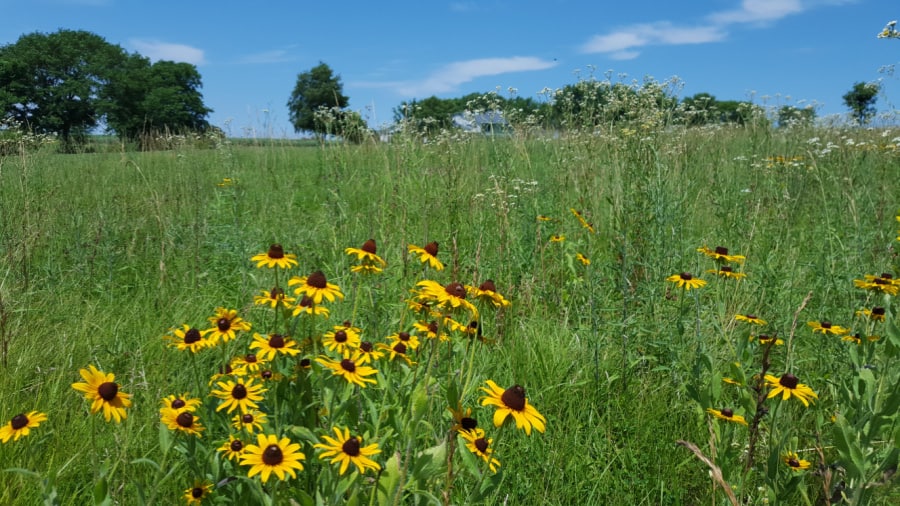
x,y
774,52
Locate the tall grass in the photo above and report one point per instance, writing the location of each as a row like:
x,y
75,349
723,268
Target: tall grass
x,y
104,253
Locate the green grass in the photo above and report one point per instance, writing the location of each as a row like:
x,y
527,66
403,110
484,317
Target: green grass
x,y
103,253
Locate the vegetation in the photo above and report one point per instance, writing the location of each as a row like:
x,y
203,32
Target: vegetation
x,y
861,101
318,90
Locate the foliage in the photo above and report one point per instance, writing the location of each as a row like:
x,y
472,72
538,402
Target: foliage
x,y
315,88
861,101
705,109
789,116
433,114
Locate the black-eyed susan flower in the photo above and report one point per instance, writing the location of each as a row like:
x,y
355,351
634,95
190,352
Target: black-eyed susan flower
x,y
182,421
341,340
512,401
240,394
749,318
233,448
370,262
876,314
307,308
583,259
727,415
428,255
449,297
789,386
686,280
251,421
248,364
186,338
275,257
429,330
368,353
557,238
462,419
316,287
766,339
795,462
720,254
272,455
183,402
350,369
274,344
346,449
101,389
584,222
884,283
273,298
726,271
541,217
396,349
826,327
480,446
226,324
487,292
410,341
853,338
21,425
198,492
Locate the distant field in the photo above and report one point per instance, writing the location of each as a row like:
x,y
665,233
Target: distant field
x,y
105,253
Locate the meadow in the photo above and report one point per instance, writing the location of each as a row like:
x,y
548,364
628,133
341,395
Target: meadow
x,y
592,237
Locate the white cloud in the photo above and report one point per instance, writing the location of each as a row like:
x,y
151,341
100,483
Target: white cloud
x,y
449,77
758,10
273,56
158,50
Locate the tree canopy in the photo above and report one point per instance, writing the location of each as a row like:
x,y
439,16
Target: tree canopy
x,y
70,82
316,88
861,101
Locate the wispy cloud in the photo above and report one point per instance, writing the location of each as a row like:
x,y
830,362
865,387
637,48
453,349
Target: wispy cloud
x,y
622,43
264,57
158,50
449,77
463,6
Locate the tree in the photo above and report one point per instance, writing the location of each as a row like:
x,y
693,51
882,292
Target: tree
x,y
315,88
789,115
51,83
861,101
145,98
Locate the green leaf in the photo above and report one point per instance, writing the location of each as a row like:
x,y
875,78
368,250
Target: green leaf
x,y
848,447
388,480
165,438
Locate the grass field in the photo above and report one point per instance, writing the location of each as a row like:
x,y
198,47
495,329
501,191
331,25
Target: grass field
x,y
104,254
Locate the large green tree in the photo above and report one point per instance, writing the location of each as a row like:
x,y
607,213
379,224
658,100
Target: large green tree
x,y
51,83
316,88
861,101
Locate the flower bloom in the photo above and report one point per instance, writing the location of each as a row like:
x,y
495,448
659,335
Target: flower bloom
x,y
197,493
826,327
272,455
350,369
306,307
233,448
103,391
428,255
727,414
884,283
487,292
316,287
875,314
243,394
726,271
21,425
795,462
226,325
720,254
557,238
251,421
581,220
370,262
274,344
346,449
749,318
449,297
767,339
686,280
480,446
275,257
367,353
583,259
182,421
789,386
273,298
341,339
186,338
512,401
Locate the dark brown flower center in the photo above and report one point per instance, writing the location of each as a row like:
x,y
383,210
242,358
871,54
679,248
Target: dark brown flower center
x,y
348,365
686,276
276,341
266,374
239,391
250,358
431,248
192,336
403,336
481,444
877,311
369,246
351,446
366,346
178,404
19,421
763,338
305,363
721,250
826,324
727,413
306,301
433,327
793,462
108,390
751,316
223,324
789,381
236,445
340,336
468,423
185,419
456,290
272,455
317,280
247,418
514,398
276,293
196,492
400,348
725,268
488,286
886,276
276,251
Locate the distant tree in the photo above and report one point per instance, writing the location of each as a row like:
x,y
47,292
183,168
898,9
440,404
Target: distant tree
x,y
52,82
861,101
789,115
144,98
315,88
